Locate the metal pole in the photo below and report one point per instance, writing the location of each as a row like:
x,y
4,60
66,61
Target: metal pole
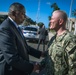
x,y
70,8
70,25
38,11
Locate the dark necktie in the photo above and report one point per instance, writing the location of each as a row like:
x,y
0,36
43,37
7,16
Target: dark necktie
x,y
24,44
20,31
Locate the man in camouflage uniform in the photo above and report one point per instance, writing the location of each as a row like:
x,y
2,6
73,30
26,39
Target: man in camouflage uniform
x,y
61,56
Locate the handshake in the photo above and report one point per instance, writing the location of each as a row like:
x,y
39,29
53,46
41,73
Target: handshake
x,y
36,67
41,65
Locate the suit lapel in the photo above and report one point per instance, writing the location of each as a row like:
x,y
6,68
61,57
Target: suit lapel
x,y
16,32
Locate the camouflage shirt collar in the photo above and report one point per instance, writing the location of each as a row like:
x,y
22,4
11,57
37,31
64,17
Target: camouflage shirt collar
x,y
61,37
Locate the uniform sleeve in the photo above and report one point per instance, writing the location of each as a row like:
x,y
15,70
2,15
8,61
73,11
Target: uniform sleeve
x,y
71,51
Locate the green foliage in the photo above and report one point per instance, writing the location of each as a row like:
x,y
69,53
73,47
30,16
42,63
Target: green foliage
x,y
40,24
55,7
2,18
74,13
49,18
29,21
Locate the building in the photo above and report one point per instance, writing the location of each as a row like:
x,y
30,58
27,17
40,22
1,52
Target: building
x,y
71,25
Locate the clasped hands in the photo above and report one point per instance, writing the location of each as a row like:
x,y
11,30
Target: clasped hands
x,y
36,67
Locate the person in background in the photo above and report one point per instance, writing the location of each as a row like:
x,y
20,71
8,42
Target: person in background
x,y
61,56
42,36
14,50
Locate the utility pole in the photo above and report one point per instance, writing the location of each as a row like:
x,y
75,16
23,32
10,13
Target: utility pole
x,y
70,22
70,8
38,11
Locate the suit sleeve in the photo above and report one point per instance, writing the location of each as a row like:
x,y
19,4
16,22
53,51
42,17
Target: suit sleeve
x,y
32,51
10,52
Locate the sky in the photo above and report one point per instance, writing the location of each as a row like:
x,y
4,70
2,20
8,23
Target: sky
x,y
39,10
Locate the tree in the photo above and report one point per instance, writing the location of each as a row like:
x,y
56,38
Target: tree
x,y
2,18
40,24
29,21
55,7
74,13
49,17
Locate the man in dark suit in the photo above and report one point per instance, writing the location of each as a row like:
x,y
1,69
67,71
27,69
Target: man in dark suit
x,y
14,51
42,36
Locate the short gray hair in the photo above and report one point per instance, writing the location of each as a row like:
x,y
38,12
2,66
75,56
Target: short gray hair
x,y
16,7
62,14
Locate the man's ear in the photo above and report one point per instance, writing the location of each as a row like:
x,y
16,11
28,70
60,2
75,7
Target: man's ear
x,y
61,21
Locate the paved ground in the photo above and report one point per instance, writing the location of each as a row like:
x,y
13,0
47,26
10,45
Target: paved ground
x,y
34,45
50,35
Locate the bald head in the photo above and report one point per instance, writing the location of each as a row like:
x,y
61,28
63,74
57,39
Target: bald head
x,y
58,20
61,14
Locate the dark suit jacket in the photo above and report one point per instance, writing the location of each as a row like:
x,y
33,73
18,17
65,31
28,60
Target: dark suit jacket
x,y
14,51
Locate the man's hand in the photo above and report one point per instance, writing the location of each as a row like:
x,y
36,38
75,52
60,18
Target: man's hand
x,y
36,68
44,54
